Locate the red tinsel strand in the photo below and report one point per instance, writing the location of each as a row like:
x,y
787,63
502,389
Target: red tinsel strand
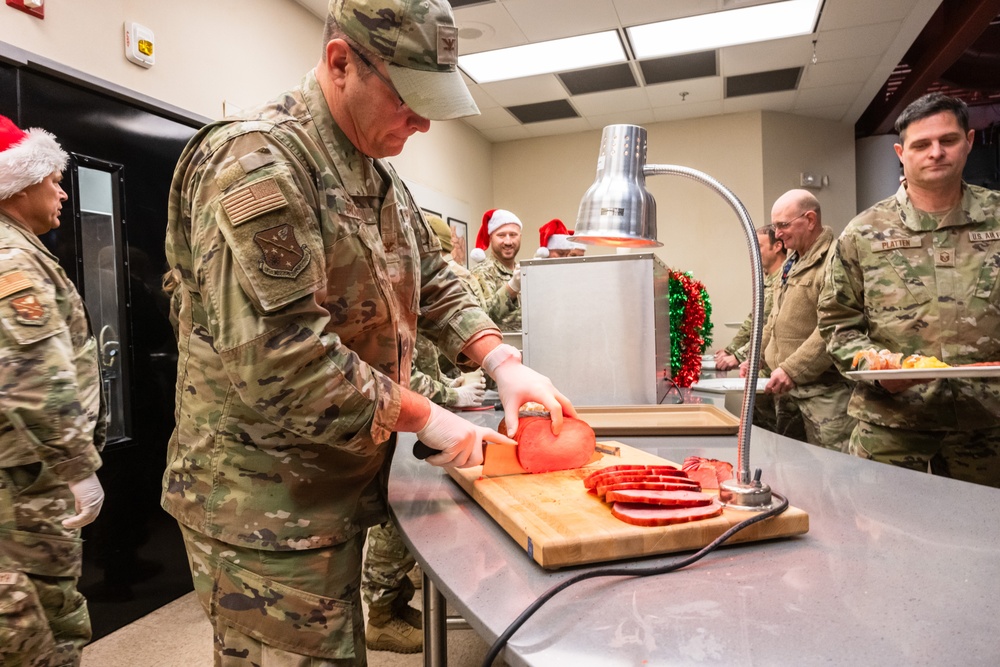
x,y
690,330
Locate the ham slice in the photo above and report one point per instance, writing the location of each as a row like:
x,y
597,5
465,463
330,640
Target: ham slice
x,y
601,476
660,497
538,450
708,472
651,515
649,486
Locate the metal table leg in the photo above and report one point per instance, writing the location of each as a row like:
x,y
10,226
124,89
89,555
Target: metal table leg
x,y
435,625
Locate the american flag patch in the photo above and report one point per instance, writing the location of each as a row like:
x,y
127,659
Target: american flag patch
x,y
13,281
252,200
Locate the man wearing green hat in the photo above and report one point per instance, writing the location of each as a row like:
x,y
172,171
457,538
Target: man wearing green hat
x,y
303,266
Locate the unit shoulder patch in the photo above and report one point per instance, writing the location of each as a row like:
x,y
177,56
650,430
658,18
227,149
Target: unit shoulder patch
x,y
29,310
282,256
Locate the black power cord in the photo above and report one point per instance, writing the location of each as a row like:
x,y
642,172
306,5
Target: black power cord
x,y
501,641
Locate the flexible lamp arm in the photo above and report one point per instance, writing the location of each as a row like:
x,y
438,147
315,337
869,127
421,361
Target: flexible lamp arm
x,y
744,491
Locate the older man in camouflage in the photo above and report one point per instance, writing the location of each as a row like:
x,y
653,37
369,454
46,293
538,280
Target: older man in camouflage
x,y
303,266
919,273
51,419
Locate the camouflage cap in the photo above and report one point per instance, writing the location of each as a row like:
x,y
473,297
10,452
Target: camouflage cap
x,y
418,40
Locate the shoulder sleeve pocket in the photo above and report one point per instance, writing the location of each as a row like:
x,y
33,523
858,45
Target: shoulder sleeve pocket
x,y
274,238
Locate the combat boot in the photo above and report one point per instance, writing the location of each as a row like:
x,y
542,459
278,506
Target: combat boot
x,y
394,635
412,616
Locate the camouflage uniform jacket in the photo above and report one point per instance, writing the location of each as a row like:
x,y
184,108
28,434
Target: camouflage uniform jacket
x,y
791,340
50,382
740,345
427,378
303,269
504,310
899,279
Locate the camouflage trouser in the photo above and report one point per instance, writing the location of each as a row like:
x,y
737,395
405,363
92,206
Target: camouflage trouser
x,y
43,618
819,418
971,456
763,412
385,585
280,608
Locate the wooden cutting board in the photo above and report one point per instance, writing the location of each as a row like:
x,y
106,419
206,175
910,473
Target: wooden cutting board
x,y
559,524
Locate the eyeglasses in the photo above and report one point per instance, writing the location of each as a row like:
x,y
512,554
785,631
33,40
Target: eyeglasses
x,y
378,75
785,225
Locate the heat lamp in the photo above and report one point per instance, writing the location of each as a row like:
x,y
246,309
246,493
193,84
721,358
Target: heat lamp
x,y
617,210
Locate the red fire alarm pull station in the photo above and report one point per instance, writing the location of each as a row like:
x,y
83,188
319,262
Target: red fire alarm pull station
x,y
34,7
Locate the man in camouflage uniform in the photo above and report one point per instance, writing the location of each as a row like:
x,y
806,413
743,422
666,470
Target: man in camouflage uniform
x,y
51,420
919,273
772,254
386,586
498,272
810,395
303,267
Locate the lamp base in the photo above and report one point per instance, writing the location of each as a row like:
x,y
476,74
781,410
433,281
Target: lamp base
x,y
754,496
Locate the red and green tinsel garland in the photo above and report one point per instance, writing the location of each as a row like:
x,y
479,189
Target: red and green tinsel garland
x,y
690,327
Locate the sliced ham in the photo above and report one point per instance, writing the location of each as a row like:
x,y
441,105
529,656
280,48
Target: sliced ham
x,y
602,471
649,515
709,472
538,450
649,486
602,476
684,482
670,498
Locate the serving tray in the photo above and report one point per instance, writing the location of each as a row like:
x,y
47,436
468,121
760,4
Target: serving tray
x,y
672,419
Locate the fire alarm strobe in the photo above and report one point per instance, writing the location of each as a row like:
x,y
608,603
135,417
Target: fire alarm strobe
x,y
139,44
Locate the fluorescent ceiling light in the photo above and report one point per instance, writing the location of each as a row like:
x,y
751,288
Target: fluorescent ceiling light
x,y
558,55
736,26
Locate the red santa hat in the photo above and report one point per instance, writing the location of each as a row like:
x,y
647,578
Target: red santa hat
x,y
26,158
553,235
493,220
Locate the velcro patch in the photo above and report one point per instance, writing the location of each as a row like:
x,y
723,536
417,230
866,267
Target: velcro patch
x,y
892,244
14,281
944,257
252,200
282,254
29,310
447,45
984,236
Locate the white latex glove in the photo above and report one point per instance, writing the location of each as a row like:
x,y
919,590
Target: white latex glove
x,y
517,384
515,282
89,495
460,441
471,394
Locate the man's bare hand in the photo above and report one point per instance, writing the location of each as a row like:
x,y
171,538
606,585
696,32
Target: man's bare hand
x,y
779,383
725,361
896,386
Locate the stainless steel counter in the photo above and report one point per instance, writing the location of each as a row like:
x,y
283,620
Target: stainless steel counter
x,y
898,568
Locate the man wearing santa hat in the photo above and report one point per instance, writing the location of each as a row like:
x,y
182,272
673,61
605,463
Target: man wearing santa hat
x,y
499,273
52,419
554,240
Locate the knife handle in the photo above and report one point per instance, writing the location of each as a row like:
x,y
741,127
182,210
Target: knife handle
x,y
422,451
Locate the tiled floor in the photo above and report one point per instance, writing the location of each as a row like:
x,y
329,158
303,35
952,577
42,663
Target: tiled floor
x,y
179,635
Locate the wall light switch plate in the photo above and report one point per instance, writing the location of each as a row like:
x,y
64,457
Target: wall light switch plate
x,y
34,7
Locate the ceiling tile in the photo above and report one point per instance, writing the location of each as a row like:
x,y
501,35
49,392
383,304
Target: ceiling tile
x,y
612,101
783,101
567,126
698,90
636,117
636,12
527,90
838,15
597,79
490,119
869,40
543,111
761,56
554,19
827,95
838,71
486,27
743,85
679,68
688,110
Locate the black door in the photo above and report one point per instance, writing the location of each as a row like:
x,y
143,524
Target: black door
x,y
123,154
